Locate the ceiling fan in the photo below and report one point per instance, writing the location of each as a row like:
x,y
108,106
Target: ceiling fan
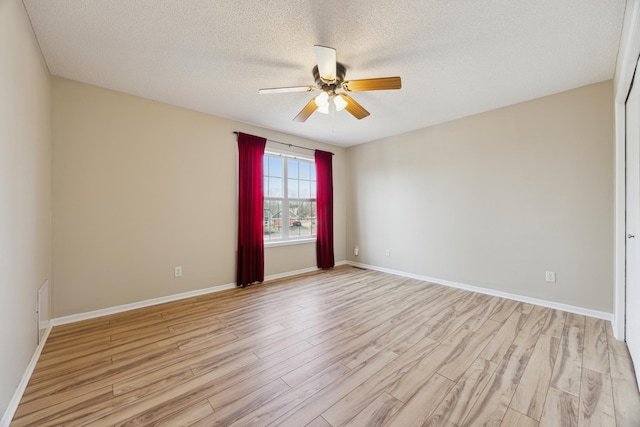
x,y
329,76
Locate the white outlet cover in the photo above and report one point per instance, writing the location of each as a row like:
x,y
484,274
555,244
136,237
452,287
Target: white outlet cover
x,y
550,276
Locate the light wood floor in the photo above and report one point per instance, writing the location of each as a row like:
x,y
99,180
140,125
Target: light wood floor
x,y
343,347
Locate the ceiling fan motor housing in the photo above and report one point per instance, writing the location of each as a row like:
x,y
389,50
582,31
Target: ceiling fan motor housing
x,y
330,86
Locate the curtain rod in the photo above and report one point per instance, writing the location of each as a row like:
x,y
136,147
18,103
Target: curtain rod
x,y
290,145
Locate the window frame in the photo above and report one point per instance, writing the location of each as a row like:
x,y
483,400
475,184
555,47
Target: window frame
x,y
286,238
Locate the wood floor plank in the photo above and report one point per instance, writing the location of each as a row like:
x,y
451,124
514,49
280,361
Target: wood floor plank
x,y
459,362
291,398
525,308
568,367
232,394
377,413
457,404
72,348
195,322
228,365
615,346
346,346
383,341
555,323
450,320
412,380
482,313
414,334
364,394
259,373
67,334
78,327
310,409
335,354
596,400
626,398
502,341
560,409
416,411
461,301
532,327
227,414
503,310
136,407
319,422
450,359
596,353
532,388
185,358
187,416
137,350
128,352
49,410
101,377
513,418
493,402
76,367
211,339
318,329
323,334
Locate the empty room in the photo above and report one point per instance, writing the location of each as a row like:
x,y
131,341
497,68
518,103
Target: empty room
x,y
297,213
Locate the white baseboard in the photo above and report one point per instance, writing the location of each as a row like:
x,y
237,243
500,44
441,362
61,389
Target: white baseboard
x,y
544,303
296,272
289,273
170,298
140,304
26,376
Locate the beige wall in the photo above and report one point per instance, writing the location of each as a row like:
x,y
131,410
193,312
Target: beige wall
x,y
25,192
496,199
140,187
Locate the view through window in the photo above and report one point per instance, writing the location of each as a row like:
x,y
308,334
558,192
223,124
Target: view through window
x,y
289,198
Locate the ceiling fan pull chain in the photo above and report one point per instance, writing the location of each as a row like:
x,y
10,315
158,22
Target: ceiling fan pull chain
x,y
332,109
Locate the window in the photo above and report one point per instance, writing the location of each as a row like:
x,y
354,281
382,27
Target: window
x,y
289,197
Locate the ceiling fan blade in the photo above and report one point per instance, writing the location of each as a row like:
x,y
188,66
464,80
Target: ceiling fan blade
x,y
286,89
326,57
307,111
354,108
383,83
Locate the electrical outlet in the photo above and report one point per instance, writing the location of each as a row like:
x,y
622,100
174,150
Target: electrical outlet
x,y
356,250
177,271
550,276
387,252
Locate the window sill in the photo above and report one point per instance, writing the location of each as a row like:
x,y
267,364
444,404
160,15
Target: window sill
x,y
288,242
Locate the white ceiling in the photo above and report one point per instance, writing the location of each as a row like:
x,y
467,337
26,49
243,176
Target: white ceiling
x,y
456,58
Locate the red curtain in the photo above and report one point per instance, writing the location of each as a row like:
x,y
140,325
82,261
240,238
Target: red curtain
x,y
250,266
324,179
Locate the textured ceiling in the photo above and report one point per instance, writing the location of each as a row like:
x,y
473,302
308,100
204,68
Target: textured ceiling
x,y
456,58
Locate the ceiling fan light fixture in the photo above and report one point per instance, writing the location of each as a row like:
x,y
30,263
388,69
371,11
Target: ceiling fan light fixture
x,y
339,102
329,75
322,101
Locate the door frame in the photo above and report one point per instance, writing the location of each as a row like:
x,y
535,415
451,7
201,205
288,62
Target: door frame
x,y
628,55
